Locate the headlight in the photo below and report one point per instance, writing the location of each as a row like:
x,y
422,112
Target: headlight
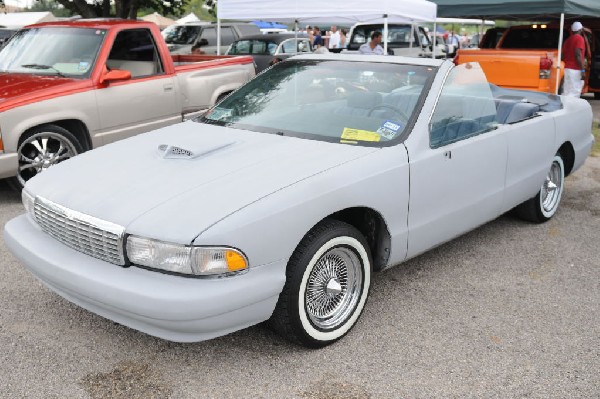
x,y
198,261
28,201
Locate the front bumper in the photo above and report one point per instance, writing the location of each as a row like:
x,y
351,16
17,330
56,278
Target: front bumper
x,y
9,164
170,307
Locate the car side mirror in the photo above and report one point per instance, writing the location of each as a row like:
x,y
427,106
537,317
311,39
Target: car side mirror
x,y
115,75
203,42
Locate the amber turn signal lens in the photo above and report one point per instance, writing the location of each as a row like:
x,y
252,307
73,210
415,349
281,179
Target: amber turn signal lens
x,y
235,261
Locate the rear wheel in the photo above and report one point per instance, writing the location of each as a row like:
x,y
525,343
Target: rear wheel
x,y
328,281
545,204
43,147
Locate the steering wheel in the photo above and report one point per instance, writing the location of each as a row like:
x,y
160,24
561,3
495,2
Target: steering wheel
x,y
396,111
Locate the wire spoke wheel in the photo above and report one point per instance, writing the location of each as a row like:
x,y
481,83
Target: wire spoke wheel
x,y
551,190
328,278
333,288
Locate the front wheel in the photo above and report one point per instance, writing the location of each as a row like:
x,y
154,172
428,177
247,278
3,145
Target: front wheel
x,y
43,147
328,281
545,204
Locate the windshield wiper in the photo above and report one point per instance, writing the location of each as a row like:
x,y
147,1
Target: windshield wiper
x,y
40,66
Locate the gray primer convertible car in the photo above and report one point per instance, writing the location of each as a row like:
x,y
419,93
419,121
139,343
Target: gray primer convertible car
x,y
280,202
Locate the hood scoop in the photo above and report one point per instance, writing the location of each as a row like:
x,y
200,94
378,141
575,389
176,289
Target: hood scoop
x,y
168,151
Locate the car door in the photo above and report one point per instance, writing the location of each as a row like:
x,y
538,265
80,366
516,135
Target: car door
x,y
148,101
457,174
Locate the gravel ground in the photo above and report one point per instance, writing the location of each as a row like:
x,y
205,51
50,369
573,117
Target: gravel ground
x,y
509,310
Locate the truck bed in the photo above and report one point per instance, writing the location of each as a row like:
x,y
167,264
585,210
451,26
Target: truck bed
x,y
512,68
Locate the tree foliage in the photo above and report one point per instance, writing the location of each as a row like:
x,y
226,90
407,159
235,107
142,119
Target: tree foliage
x,y
117,8
212,4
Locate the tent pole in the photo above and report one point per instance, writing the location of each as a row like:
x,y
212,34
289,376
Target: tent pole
x,y
385,34
434,39
296,36
560,42
412,35
218,36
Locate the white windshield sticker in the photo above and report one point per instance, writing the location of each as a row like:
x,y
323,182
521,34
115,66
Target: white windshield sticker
x,y
219,113
390,129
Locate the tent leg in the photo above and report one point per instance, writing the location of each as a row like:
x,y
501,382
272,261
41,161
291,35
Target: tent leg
x,y
560,42
218,36
385,34
434,39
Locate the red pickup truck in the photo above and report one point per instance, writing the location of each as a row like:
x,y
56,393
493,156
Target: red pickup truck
x,y
68,87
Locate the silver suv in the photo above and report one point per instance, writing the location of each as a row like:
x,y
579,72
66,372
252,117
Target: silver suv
x,y
181,38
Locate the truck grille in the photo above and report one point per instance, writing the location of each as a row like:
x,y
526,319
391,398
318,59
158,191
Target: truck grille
x,y
83,233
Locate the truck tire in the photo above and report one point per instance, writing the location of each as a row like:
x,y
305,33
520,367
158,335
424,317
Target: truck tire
x,y
40,148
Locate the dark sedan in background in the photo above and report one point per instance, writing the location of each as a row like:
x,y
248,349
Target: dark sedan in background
x,y
6,34
263,48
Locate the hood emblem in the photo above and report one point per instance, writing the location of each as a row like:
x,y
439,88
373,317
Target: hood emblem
x,y
171,151
167,151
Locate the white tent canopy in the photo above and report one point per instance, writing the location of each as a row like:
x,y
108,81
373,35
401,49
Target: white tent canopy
x,y
17,20
350,11
191,17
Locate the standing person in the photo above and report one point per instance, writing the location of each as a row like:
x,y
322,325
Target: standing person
x,y
317,37
373,47
334,37
319,46
311,36
454,40
573,51
343,38
465,41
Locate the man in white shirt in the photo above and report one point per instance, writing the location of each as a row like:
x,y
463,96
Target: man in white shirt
x,y
373,47
334,37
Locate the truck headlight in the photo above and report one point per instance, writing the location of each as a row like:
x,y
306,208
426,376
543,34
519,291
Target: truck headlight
x,y
175,258
28,202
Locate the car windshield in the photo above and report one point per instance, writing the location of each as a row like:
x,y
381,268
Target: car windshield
x,y
181,34
59,51
365,103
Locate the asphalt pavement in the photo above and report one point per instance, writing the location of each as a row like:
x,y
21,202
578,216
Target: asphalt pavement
x,y
510,310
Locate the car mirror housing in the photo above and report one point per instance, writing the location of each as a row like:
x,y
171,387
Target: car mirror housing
x,y
115,75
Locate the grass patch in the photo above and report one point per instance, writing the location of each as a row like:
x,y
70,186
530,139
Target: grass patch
x,y
596,133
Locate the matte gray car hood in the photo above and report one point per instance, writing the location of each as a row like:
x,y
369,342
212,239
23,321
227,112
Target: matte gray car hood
x,y
213,172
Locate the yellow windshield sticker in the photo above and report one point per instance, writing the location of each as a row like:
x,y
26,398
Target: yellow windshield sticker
x,y
360,135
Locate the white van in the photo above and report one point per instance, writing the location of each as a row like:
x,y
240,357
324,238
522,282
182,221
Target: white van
x,y
399,40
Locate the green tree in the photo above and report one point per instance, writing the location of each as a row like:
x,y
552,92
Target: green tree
x,y
120,8
199,9
52,6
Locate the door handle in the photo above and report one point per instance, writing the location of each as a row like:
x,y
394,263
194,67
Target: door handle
x,y
168,87
448,154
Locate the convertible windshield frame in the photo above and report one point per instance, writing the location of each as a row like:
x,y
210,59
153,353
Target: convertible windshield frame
x,y
273,102
39,51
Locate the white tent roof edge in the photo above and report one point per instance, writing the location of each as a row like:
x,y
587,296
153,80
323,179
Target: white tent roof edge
x,y
350,11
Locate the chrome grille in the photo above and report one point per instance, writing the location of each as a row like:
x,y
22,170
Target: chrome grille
x,y
83,233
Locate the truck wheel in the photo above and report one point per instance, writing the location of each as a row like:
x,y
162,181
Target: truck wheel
x,y
327,284
544,205
42,147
